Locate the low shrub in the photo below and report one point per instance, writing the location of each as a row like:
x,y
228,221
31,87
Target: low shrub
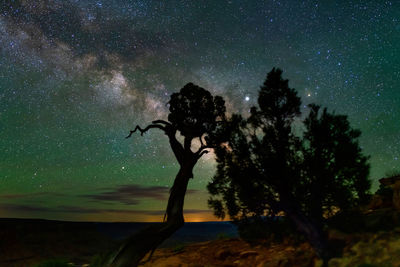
x,y
271,229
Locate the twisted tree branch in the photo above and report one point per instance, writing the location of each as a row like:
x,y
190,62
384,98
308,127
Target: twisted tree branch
x,y
162,122
202,153
170,131
142,131
202,148
201,140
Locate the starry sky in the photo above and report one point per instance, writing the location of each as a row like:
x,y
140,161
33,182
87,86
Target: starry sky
x,y
76,76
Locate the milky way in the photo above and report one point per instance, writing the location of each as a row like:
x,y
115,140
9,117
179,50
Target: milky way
x,y
76,76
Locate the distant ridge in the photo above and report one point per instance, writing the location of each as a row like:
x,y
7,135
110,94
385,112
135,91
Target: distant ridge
x,y
191,231
41,219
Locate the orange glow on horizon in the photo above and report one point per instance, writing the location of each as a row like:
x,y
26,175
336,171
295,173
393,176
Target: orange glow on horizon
x,y
201,216
122,217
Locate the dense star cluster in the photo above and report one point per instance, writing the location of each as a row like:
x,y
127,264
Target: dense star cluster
x,y
76,76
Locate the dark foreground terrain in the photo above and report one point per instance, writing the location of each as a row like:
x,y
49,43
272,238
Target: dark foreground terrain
x,y
370,239
25,242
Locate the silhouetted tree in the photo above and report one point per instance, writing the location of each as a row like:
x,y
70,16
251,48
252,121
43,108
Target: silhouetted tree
x,y
265,168
196,115
334,170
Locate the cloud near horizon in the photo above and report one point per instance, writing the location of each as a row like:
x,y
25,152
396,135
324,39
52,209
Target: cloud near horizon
x,y
23,208
131,194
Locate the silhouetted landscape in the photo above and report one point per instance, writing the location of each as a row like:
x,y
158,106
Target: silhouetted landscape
x,y
25,242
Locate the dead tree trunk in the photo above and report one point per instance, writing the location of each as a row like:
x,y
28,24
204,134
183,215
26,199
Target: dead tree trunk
x,y
147,240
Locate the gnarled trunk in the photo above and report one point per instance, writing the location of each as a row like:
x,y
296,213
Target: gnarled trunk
x,y
138,245
310,229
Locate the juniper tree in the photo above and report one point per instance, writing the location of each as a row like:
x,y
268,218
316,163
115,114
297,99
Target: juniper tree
x,y
195,114
265,168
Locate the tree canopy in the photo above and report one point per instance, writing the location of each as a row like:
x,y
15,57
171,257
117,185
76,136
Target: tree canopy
x,y
265,167
194,111
334,169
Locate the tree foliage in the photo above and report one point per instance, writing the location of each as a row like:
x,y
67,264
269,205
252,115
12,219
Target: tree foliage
x,y
334,169
194,111
265,168
258,154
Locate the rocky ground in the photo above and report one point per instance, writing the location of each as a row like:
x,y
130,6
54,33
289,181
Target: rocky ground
x,y
378,249
368,240
232,252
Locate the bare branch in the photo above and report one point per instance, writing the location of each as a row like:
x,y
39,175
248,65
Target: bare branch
x,y
202,147
142,131
202,153
162,122
170,131
201,141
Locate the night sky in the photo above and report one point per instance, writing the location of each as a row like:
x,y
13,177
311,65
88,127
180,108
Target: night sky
x,y
76,76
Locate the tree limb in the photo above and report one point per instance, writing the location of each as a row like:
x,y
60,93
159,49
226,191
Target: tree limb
x,y
187,143
142,131
170,131
202,147
162,122
202,153
201,141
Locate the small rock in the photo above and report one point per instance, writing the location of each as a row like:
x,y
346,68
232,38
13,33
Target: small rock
x,y
290,249
246,254
284,263
222,254
237,262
